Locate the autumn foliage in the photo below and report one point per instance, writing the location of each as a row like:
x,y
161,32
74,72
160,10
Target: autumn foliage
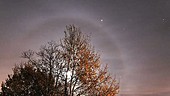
x,y
70,68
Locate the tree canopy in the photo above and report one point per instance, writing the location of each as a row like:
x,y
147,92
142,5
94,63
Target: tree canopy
x,y
70,68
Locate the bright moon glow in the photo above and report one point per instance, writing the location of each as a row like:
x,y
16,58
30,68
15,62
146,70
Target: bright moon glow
x,y
69,74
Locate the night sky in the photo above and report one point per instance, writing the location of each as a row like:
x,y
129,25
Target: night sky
x,y
132,36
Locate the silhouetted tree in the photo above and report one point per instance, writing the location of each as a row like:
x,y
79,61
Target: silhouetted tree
x,y
26,81
71,68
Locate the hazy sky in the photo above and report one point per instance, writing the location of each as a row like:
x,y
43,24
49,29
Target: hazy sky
x,y
132,36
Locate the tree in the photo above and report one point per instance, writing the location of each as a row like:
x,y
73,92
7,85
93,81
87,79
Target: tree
x,y
26,81
72,67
